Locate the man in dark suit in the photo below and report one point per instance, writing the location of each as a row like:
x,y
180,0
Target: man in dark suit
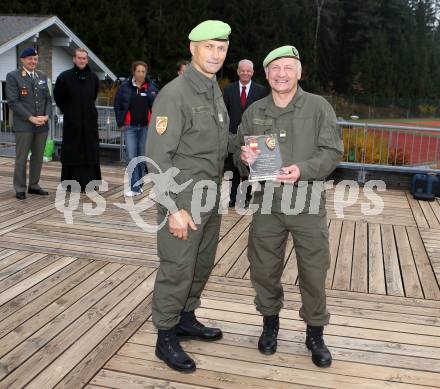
x,y
238,96
29,99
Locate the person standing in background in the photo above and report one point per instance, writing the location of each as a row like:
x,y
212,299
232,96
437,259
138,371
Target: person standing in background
x,y
28,97
238,96
181,66
75,93
133,103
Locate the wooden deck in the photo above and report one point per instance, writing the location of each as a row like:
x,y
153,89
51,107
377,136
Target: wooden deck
x,y
75,299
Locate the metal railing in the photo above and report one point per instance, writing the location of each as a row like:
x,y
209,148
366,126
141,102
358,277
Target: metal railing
x,y
366,145
109,134
399,148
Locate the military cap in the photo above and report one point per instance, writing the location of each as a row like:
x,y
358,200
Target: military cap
x,y
281,52
29,52
210,29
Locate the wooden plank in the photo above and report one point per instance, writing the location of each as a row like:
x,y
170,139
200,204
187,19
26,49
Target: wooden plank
x,y
290,272
408,268
391,262
39,294
335,230
20,265
210,378
230,257
36,278
74,334
429,215
15,256
417,211
239,269
16,335
337,308
359,274
109,255
435,208
6,253
410,305
386,306
120,380
427,278
245,313
376,270
89,366
21,220
82,346
38,262
233,365
228,240
345,256
292,355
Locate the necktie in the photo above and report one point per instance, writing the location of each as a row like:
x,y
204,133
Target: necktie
x,y
243,96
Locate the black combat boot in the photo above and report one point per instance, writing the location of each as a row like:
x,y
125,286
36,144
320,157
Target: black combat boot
x,y
321,356
168,349
190,328
267,344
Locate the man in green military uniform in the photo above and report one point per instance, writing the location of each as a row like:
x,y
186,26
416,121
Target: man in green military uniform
x,y
189,132
311,146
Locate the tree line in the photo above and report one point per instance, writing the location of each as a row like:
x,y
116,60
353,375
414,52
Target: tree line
x,y
387,48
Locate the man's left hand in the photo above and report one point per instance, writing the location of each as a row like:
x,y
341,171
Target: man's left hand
x,y
291,174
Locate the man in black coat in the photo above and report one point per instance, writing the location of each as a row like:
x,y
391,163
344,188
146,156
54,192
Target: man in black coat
x,y
75,93
238,96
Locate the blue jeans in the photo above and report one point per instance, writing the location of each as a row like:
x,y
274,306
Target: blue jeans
x,y
135,138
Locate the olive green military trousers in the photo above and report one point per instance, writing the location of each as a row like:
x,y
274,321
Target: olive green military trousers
x,y
185,266
266,250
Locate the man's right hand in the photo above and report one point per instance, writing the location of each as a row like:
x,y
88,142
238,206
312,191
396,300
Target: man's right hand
x,y
178,223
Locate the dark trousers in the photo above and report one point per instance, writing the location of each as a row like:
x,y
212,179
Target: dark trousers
x,y
25,142
235,183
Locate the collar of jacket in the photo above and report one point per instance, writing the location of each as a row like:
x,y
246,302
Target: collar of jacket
x,y
297,102
28,73
132,83
82,72
201,83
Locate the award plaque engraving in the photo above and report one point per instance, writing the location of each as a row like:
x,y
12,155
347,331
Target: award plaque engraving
x,y
269,162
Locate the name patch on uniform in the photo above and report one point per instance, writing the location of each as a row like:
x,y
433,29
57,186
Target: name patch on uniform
x,y
161,124
263,122
220,117
143,94
41,82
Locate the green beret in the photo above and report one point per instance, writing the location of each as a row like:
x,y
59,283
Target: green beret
x,y
281,52
210,29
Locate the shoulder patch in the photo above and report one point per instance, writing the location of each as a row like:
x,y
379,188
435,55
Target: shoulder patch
x,y
161,124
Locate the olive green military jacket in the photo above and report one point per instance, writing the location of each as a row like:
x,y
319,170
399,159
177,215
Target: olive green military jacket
x,y
188,131
306,130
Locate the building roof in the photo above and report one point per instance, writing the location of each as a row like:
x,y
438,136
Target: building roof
x,y
13,26
15,29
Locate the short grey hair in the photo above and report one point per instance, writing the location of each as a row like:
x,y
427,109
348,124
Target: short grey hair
x,y
247,62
